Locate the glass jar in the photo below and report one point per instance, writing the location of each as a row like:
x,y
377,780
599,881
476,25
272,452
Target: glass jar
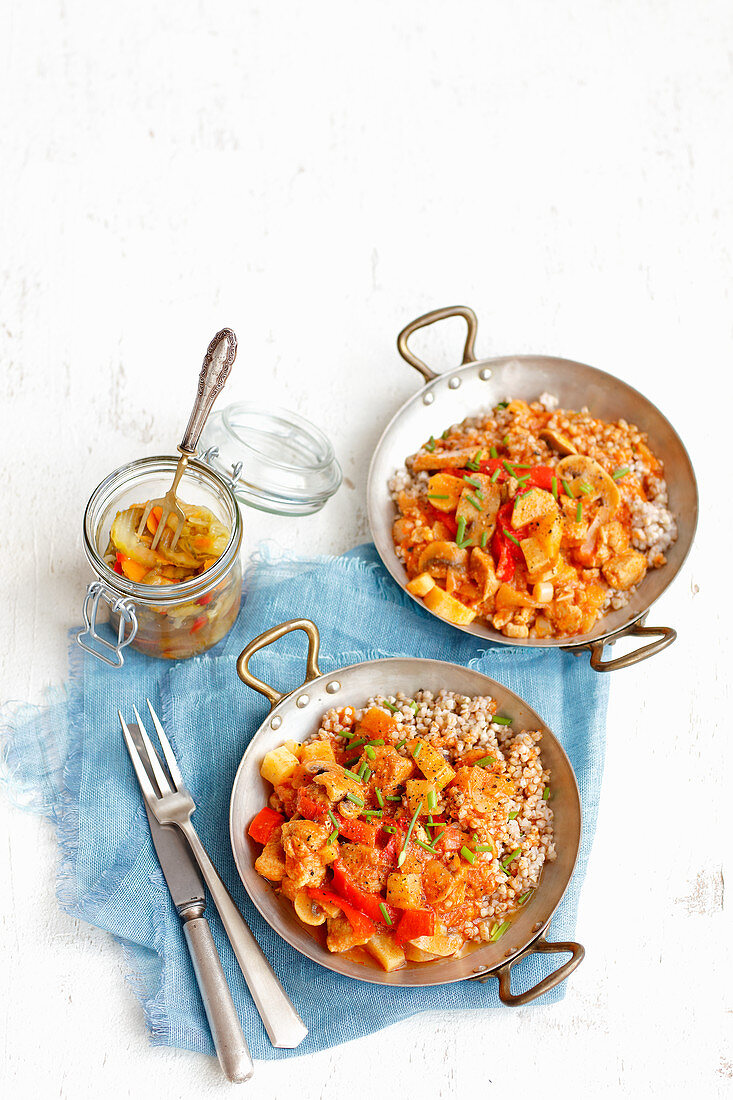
x,y
274,459
177,620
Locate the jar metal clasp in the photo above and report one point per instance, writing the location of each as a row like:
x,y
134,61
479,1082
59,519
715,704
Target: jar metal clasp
x,y
126,628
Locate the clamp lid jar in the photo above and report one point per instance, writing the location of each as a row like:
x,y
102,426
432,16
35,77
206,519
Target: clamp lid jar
x,y
179,619
274,459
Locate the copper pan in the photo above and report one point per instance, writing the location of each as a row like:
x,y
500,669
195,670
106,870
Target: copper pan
x,y
479,384
296,715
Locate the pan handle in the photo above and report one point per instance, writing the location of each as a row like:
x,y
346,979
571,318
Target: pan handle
x,y
504,973
665,636
469,354
267,638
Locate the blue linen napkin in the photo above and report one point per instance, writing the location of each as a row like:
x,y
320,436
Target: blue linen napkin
x,y
68,761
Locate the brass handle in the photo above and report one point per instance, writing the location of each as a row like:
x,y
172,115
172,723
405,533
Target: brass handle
x,y
469,354
665,636
504,973
216,367
265,639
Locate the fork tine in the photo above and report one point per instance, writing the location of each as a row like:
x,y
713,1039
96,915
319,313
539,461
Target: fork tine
x,y
160,777
160,528
144,520
165,744
142,776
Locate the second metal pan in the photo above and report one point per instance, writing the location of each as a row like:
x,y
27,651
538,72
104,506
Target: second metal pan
x,y
294,716
479,384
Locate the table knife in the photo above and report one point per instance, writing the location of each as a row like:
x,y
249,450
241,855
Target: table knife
x,y
189,897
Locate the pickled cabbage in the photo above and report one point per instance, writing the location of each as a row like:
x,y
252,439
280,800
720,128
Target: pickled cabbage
x,y
201,543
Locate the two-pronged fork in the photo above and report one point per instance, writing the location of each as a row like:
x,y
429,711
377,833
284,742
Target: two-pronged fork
x,y
172,804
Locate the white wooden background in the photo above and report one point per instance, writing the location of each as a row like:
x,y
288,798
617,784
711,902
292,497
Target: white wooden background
x,y
315,175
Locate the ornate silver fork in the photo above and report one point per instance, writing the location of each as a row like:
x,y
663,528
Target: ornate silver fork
x,y
217,364
172,804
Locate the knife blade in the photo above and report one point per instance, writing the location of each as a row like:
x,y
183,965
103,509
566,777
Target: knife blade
x,y
188,892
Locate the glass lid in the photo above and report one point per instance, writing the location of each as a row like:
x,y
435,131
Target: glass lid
x,y
274,459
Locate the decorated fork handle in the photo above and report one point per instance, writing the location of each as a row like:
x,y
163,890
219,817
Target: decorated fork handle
x,y
217,365
282,1023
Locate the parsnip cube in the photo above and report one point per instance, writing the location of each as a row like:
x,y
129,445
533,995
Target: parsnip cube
x,y
444,491
385,949
434,767
511,597
534,555
405,891
448,607
416,792
278,765
420,585
316,750
439,945
532,505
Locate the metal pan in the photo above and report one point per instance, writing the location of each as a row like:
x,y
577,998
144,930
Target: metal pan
x,y
479,384
294,716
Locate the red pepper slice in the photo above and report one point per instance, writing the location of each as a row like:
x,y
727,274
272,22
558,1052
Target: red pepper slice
x,y
198,623
361,924
203,600
264,823
360,899
415,923
358,831
309,807
435,516
541,477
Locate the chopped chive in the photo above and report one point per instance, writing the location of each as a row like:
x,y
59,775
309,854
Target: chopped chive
x,y
414,707
445,434
460,528
511,857
501,721
373,813
385,914
437,838
521,465
393,797
579,512
496,473
426,847
504,869
523,480
524,897
370,752
468,855
438,496
505,440
417,750
376,741
494,453
365,773
512,537
485,761
585,488
498,931
476,503
334,822
400,743
332,836
477,456
472,481
430,445
391,706
546,793
355,799
389,828
508,467
569,492
403,854
380,799
350,764
484,848
432,802
352,775
501,405
513,815
484,539
358,744
622,471
554,487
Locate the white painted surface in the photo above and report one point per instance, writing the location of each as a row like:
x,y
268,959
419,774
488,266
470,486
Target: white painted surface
x,y
315,175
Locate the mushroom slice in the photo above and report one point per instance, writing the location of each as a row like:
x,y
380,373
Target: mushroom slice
x,y
437,557
583,472
558,441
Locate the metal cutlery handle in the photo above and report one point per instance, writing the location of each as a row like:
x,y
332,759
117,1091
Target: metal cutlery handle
x,y
218,361
282,1023
226,1030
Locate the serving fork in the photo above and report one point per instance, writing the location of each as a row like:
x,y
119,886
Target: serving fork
x,y
172,804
